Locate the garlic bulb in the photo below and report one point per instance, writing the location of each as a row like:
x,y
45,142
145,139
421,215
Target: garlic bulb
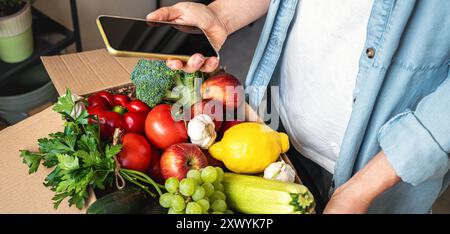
x,y
201,131
79,106
280,171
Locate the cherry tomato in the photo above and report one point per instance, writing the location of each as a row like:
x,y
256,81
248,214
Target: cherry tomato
x,y
121,100
138,106
107,96
135,122
136,153
161,130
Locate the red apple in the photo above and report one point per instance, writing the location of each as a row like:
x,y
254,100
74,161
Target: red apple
x,y
225,88
178,159
209,107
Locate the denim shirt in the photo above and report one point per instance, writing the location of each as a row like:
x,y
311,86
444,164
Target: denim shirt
x,y
401,99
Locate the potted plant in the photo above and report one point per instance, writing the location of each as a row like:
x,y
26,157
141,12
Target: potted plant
x,y
16,37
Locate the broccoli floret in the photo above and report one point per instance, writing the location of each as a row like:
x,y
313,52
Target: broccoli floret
x,y
155,83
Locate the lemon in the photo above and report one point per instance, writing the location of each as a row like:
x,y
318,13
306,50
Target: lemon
x,y
249,148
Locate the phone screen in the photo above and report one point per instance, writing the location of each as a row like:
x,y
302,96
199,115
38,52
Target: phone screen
x,y
160,38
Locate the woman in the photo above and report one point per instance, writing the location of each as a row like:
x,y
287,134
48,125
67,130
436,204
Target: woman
x,y
364,90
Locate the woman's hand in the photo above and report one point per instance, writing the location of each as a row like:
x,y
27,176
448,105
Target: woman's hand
x,y
347,199
201,16
355,196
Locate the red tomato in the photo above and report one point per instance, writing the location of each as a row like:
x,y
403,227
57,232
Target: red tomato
x,y
138,106
155,167
121,100
135,122
136,153
161,130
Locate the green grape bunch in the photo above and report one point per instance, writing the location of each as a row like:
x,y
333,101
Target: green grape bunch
x,y
201,192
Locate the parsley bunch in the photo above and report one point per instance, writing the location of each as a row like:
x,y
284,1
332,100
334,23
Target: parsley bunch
x,y
79,158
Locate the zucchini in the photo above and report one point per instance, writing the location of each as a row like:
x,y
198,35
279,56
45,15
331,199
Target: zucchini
x,y
125,201
256,195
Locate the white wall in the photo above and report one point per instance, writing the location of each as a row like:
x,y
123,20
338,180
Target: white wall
x,y
88,10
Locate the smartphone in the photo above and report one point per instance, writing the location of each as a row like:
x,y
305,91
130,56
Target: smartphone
x,y
130,37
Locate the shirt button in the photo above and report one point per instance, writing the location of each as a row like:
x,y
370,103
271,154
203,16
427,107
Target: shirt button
x,y
370,53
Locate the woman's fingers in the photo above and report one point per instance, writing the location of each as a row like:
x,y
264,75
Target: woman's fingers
x,y
174,64
189,13
210,65
194,63
164,14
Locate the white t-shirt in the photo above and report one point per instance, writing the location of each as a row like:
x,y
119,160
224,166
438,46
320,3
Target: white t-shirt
x,y
318,75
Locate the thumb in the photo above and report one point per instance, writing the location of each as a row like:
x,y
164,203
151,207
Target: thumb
x,y
164,14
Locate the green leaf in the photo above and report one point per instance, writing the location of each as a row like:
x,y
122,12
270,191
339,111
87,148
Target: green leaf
x,y
71,128
70,141
92,158
31,159
50,160
84,156
79,158
53,178
83,118
67,162
58,198
65,104
87,143
56,144
113,150
66,184
78,199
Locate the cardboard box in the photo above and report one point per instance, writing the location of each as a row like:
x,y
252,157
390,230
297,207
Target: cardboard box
x,y
83,73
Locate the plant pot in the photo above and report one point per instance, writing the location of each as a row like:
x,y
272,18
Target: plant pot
x,y
29,90
16,36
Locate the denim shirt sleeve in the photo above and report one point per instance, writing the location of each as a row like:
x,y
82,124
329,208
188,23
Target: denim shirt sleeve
x,y
417,143
269,49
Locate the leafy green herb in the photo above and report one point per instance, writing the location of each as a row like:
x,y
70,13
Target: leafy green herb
x,y
79,158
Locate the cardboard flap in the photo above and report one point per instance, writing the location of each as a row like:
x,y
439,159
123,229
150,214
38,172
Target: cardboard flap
x,y
20,192
88,72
